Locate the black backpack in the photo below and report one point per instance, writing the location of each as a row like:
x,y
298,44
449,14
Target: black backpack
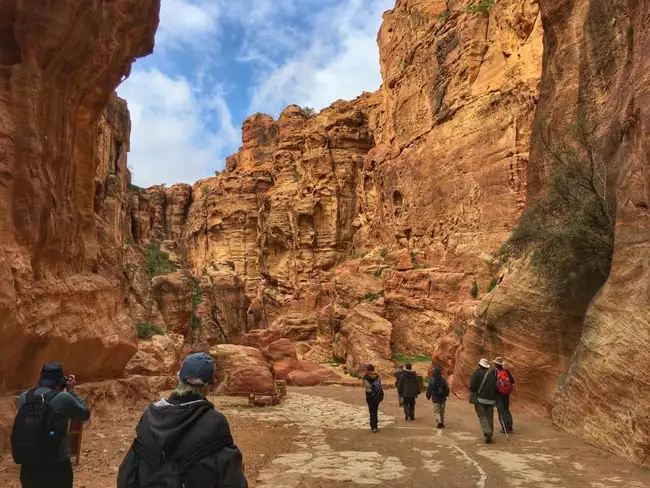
x,y
165,472
440,389
36,435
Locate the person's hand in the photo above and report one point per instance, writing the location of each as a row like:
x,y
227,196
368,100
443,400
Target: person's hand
x,y
72,380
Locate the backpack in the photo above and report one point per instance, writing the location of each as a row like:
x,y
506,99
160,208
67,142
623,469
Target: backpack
x,y
504,384
376,390
36,437
440,389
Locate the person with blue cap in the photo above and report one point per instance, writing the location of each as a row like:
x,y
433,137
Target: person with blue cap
x,y
183,440
39,439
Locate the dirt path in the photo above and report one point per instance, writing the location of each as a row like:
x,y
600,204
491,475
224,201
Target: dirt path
x,y
319,437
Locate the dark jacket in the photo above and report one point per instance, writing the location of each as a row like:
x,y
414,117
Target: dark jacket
x,y
489,391
436,380
184,426
398,374
372,392
512,378
409,385
68,406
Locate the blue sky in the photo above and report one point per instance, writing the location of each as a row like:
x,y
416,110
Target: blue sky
x,y
218,61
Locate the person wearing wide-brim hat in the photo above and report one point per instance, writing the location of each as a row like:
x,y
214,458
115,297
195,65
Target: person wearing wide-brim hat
x,y
483,394
505,385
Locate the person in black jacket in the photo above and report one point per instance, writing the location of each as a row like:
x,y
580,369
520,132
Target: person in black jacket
x,y
503,399
65,405
374,395
398,374
438,391
183,440
483,384
409,388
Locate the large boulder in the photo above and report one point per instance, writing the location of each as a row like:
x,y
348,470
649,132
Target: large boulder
x,y
159,356
364,339
242,370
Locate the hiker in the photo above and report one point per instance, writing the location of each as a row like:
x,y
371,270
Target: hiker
x,y
483,394
438,391
374,396
397,374
505,385
409,388
39,440
183,440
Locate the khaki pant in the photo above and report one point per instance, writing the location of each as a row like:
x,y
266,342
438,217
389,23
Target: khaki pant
x,y
485,414
439,412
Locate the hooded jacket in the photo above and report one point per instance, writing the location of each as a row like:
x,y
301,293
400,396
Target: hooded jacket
x,y
408,384
436,380
189,432
372,392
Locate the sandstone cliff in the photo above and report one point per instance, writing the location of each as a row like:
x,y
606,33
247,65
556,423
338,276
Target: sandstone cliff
x,y
63,167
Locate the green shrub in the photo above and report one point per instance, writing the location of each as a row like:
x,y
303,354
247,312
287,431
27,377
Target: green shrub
x,y
383,252
493,284
346,305
308,111
197,296
195,322
296,176
135,188
422,266
414,258
377,273
444,16
474,290
371,297
205,191
158,261
406,358
482,6
569,233
146,330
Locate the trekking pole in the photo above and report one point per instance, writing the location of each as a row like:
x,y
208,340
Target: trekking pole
x,y
503,426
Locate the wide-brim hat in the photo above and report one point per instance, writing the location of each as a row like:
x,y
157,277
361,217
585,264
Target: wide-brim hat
x,y
484,363
498,361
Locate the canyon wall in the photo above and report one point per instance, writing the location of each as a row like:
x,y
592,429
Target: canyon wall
x,y
63,143
587,365
413,186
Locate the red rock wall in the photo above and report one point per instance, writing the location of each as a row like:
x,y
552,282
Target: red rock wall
x,y
63,168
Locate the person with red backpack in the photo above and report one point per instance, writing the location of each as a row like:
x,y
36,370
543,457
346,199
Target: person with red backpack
x,y
505,385
374,396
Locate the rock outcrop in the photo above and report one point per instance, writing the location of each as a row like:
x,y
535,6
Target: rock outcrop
x,y
159,356
242,370
63,141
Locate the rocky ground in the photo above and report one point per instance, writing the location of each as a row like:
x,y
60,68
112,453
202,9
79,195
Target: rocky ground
x,y
319,438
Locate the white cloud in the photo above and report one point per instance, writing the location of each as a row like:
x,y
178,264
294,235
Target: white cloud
x,y
187,22
178,134
338,58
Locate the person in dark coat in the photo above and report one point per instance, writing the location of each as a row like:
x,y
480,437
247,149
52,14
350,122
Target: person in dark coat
x,y
409,388
66,406
483,384
398,374
437,392
183,440
503,399
374,396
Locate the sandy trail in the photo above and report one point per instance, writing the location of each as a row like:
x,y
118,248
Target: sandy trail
x,y
319,437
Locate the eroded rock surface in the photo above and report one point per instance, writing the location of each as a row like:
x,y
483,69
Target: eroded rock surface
x,y
63,143
242,370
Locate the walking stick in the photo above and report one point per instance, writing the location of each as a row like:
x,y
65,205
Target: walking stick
x,y
503,426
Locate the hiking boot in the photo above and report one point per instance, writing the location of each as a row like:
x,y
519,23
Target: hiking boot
x,y
488,438
406,417
440,425
374,431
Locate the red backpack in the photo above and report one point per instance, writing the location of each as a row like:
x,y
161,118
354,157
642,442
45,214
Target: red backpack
x,y
504,385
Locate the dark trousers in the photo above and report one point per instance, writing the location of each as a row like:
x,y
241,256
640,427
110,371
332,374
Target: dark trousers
x,y
373,408
54,476
503,409
409,407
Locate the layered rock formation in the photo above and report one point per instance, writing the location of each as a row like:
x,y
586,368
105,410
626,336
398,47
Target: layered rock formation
x,y
64,176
